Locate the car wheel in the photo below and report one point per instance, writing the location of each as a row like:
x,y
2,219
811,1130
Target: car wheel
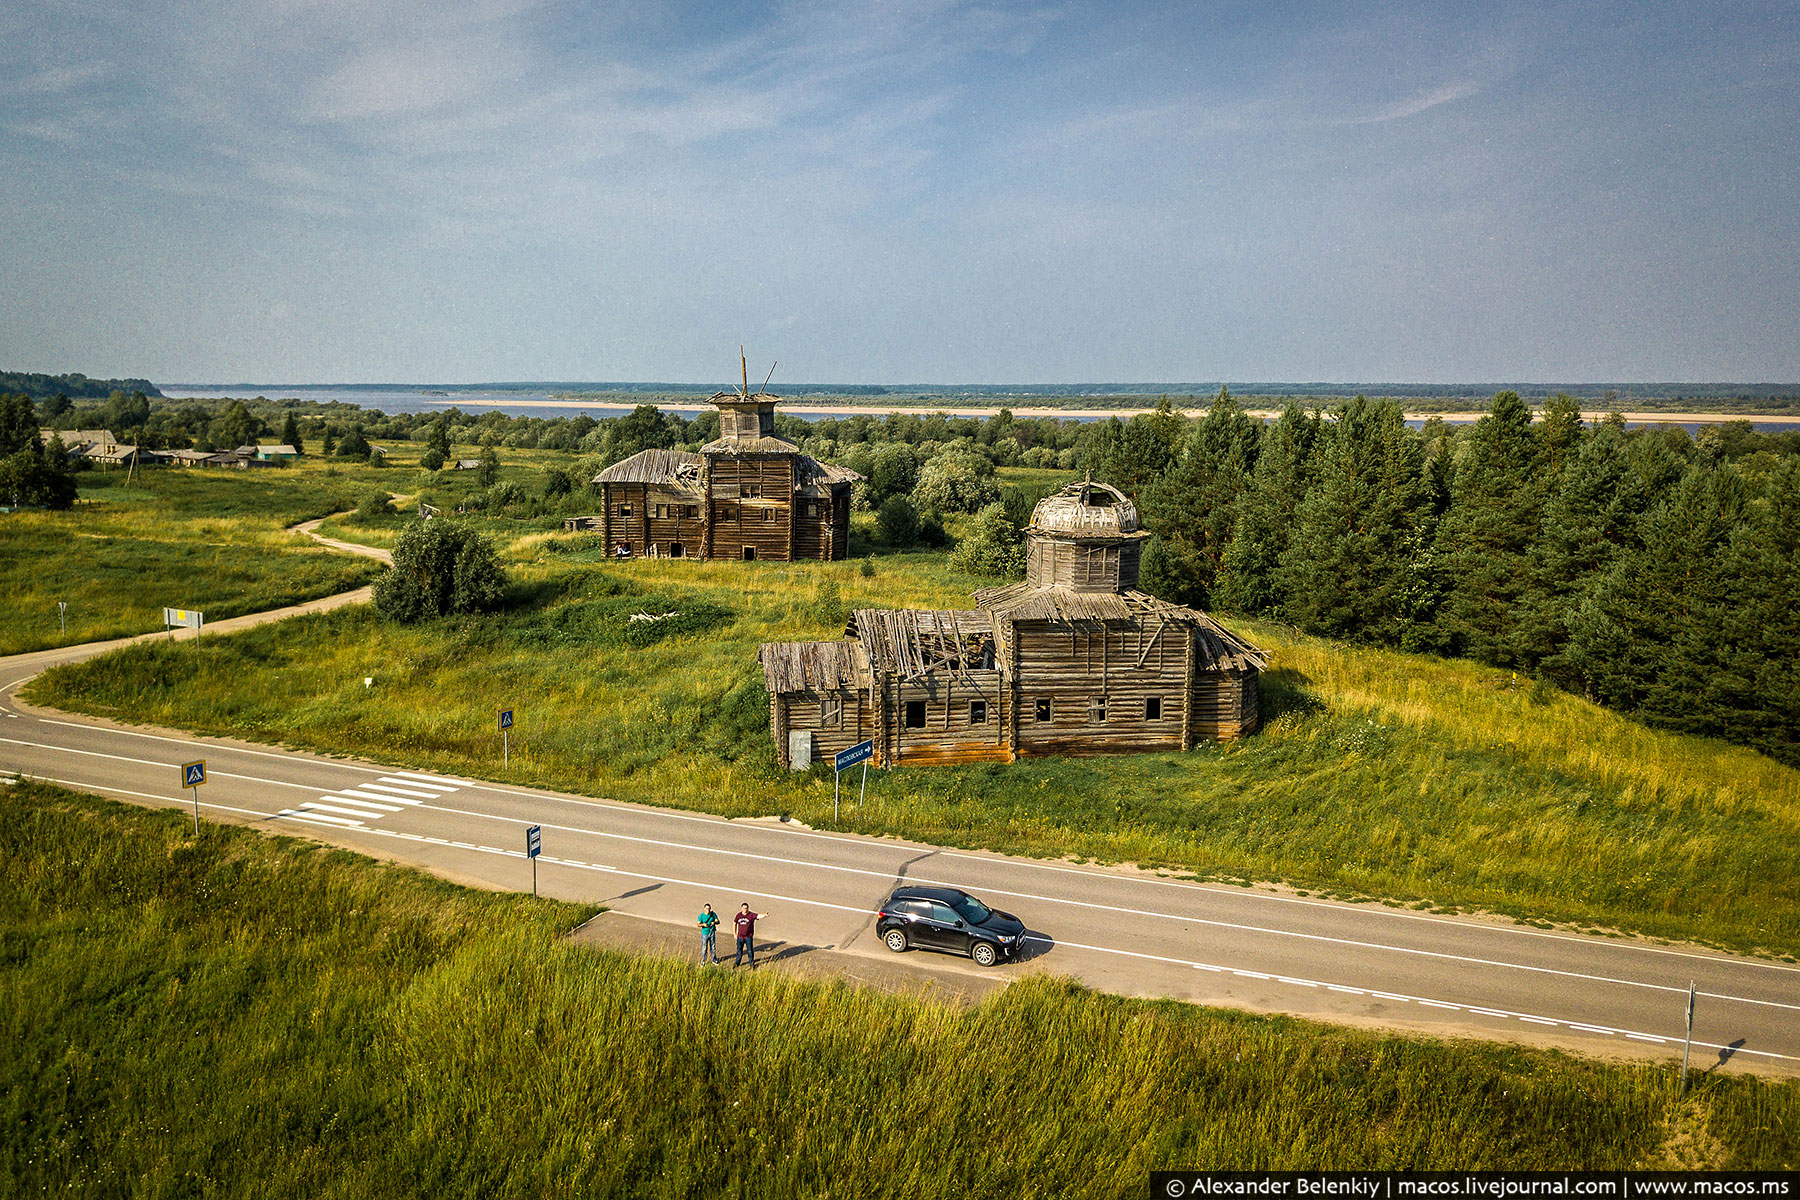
x,y
896,940
983,954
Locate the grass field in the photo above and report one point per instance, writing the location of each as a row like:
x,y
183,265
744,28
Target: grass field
x,y
1423,781
245,1015
206,539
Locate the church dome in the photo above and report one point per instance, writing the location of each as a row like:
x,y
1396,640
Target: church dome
x,y
1086,509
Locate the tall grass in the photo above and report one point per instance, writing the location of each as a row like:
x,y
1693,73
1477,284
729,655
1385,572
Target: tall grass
x,y
248,1015
192,538
1377,774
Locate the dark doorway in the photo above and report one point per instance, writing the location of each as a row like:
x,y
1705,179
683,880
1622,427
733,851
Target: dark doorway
x,y
749,553
915,714
676,551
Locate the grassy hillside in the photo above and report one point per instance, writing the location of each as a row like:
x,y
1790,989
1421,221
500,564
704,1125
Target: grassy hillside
x,y
1426,781
243,1015
207,539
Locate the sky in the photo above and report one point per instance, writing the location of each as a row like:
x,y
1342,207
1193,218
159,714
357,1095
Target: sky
x,y
452,191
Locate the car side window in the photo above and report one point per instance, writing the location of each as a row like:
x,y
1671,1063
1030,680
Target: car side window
x,y
913,908
941,912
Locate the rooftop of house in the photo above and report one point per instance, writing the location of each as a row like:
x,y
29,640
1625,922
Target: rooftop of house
x,y
1087,509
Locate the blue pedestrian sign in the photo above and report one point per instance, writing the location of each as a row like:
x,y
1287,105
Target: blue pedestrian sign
x,y
193,774
534,841
506,718
861,752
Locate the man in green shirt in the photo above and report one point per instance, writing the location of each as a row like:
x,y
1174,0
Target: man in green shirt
x,y
709,926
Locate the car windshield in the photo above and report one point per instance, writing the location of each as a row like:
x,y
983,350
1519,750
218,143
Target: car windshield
x,y
971,910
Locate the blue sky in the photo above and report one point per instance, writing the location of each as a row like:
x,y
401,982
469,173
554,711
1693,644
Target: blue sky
x,y
467,190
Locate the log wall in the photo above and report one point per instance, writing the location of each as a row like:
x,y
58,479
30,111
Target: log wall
x,y
949,734
1074,665
762,521
806,711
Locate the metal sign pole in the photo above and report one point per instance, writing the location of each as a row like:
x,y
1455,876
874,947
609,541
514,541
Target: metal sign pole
x,y
506,751
864,794
196,792
1688,1049
836,776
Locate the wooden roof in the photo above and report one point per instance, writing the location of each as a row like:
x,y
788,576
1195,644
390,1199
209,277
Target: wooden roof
x,y
750,445
813,666
1220,648
911,642
674,468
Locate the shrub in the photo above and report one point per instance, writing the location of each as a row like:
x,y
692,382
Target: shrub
x,y
374,505
956,481
991,547
440,567
898,522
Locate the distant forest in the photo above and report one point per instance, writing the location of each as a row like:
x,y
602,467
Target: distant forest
x,y
75,387
1651,570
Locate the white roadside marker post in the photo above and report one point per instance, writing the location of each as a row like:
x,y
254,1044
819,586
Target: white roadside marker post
x,y
1689,1047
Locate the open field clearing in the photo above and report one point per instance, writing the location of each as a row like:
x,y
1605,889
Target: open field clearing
x,y
1425,781
263,1016
213,540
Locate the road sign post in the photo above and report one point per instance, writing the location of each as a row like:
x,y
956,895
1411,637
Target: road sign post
x,y
862,752
62,611
506,723
186,617
192,776
1688,1048
534,844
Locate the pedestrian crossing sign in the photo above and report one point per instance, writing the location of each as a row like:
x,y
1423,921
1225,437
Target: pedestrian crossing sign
x,y
193,774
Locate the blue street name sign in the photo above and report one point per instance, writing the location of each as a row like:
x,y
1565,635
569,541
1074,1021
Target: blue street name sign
x,y
193,774
861,752
506,718
534,841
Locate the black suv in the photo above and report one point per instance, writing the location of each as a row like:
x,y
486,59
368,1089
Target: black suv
x,y
940,918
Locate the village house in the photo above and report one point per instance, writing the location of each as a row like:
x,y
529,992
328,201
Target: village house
x,y
747,496
1074,660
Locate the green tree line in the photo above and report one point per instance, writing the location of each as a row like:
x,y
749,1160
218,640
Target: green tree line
x,y
1651,571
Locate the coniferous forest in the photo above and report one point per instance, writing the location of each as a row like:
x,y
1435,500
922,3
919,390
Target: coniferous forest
x,y
1651,571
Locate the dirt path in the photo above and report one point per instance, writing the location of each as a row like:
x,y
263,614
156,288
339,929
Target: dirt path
x,y
311,530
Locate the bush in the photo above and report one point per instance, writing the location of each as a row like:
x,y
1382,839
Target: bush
x,y
898,522
440,567
956,481
432,459
992,547
373,506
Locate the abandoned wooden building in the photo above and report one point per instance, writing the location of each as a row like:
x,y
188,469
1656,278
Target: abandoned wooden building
x,y
748,495
1075,660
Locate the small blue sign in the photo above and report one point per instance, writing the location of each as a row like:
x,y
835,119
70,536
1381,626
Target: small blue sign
x,y
534,841
193,774
506,718
861,752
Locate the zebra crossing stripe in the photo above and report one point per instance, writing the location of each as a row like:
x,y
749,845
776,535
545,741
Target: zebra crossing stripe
x,y
388,789
361,805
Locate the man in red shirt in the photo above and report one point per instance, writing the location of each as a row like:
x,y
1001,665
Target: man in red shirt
x,y
746,935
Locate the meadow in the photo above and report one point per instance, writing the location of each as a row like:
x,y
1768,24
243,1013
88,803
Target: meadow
x,y
241,1014
213,540
1436,783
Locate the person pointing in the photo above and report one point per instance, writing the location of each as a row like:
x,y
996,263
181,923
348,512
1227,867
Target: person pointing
x,y
746,935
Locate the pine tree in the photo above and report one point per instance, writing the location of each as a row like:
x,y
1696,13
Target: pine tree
x,y
1192,507
1753,695
1348,570
1583,529
1637,640
1496,505
1268,512
290,434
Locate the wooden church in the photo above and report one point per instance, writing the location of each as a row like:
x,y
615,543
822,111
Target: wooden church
x,y
1075,660
749,495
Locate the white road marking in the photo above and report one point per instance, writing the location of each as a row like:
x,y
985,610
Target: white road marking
x,y
450,783
1645,1037
438,789
314,806
1592,1028
1540,1020
368,806
1440,1004
388,789
313,816
381,796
